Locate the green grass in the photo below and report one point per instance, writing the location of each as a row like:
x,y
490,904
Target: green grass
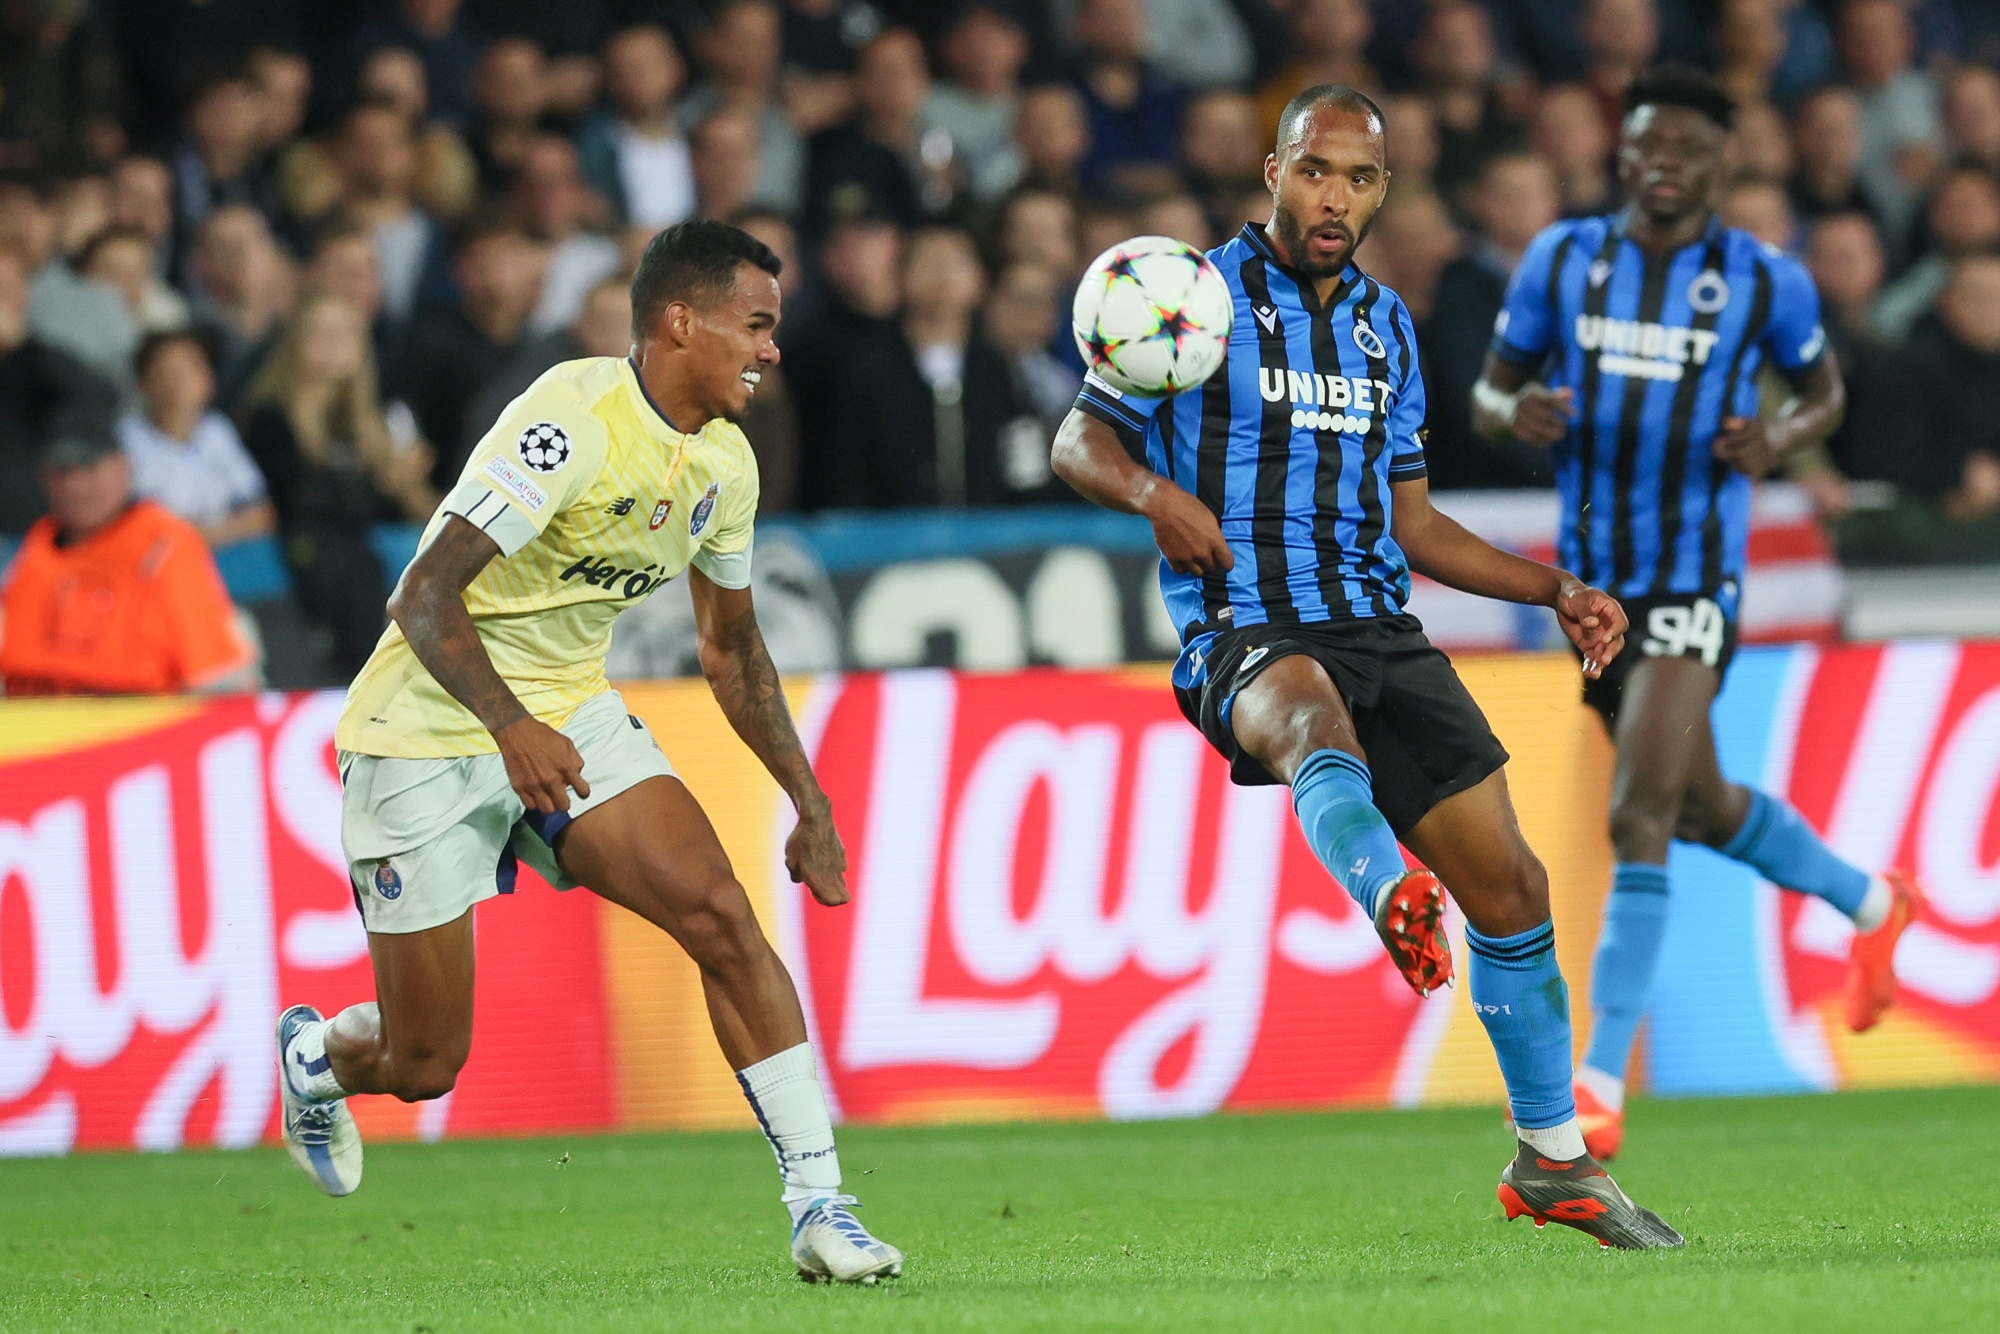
x,y
1876,1212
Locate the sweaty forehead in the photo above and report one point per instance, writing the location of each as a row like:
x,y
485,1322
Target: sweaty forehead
x,y
1338,133
1677,122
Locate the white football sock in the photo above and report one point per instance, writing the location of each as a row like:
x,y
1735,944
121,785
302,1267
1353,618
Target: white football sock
x,y
784,1092
1608,1089
307,1066
1875,905
1562,1142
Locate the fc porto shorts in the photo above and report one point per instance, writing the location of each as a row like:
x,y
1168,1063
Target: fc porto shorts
x,y
1701,626
427,839
1425,735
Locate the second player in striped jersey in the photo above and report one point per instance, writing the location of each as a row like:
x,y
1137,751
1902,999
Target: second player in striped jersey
x,y
1648,330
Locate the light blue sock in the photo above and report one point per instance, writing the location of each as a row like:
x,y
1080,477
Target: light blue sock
x,y
1777,841
1335,801
1519,994
1628,951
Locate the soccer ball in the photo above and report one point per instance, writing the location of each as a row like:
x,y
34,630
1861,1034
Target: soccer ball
x,y
1152,316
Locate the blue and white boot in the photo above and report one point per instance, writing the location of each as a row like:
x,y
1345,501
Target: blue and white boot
x,y
322,1136
830,1245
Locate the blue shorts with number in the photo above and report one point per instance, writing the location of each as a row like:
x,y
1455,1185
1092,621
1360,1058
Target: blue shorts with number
x,y
1701,626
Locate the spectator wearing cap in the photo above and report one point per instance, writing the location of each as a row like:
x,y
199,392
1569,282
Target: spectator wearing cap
x,y
453,351
741,51
221,159
1962,218
635,155
184,454
985,48
43,390
873,163
1514,200
436,32
1901,134
819,40
552,203
1329,45
110,595
1134,110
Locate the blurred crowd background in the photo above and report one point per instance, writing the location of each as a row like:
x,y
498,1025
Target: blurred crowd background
x,y
276,264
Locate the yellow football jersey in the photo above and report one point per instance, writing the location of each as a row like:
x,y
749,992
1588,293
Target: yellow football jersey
x,y
595,500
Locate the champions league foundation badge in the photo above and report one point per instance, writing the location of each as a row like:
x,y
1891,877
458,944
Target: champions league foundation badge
x,y
387,883
702,509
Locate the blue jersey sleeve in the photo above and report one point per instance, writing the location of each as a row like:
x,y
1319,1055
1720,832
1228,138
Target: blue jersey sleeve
x,y
1126,414
1406,411
1526,330
1793,339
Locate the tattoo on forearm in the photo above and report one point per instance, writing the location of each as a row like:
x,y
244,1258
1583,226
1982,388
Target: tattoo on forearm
x,y
746,686
430,608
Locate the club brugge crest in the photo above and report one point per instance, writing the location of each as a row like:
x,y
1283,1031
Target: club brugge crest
x,y
1708,293
659,515
1369,342
703,508
387,883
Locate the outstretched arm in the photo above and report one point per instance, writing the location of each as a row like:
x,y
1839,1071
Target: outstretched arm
x,y
1440,548
429,607
1088,456
745,683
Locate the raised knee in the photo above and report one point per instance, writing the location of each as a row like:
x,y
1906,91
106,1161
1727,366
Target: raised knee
x,y
424,1078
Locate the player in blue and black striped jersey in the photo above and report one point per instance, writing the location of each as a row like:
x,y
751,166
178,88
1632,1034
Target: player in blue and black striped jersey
x,y
1289,500
1632,344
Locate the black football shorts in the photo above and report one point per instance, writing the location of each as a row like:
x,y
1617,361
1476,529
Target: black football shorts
x,y
1425,736
1679,625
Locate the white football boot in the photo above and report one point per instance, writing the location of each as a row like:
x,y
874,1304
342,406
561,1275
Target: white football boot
x,y
322,1136
830,1245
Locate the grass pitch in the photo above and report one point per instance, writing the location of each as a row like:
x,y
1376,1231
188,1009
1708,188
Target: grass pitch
x,y
1875,1212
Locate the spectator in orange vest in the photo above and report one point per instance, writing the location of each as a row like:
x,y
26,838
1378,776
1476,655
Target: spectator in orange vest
x,y
114,596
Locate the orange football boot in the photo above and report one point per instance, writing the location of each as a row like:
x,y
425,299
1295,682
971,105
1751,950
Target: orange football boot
x,y
1871,963
1410,919
1603,1127
1579,1194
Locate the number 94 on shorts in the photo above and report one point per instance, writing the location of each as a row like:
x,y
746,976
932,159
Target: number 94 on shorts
x,y
1678,625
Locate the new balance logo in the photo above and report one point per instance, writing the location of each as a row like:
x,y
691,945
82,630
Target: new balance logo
x,y
621,506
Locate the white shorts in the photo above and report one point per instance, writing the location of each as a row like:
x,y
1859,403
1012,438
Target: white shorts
x,y
427,839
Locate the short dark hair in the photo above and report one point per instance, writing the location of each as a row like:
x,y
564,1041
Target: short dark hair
x,y
1682,86
159,340
1324,95
695,262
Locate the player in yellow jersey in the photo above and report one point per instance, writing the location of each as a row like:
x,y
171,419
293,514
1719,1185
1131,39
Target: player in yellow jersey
x,y
483,730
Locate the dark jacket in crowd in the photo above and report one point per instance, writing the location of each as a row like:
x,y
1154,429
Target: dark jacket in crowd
x,y
44,392
1469,295
450,359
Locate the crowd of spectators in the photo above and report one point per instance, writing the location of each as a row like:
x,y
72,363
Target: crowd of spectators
x,y
293,256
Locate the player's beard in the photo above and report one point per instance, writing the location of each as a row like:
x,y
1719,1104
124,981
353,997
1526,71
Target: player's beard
x,y
1294,237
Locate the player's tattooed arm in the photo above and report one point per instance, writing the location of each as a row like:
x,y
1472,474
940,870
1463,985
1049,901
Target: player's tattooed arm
x,y
1439,547
745,683
1754,446
1088,456
429,607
